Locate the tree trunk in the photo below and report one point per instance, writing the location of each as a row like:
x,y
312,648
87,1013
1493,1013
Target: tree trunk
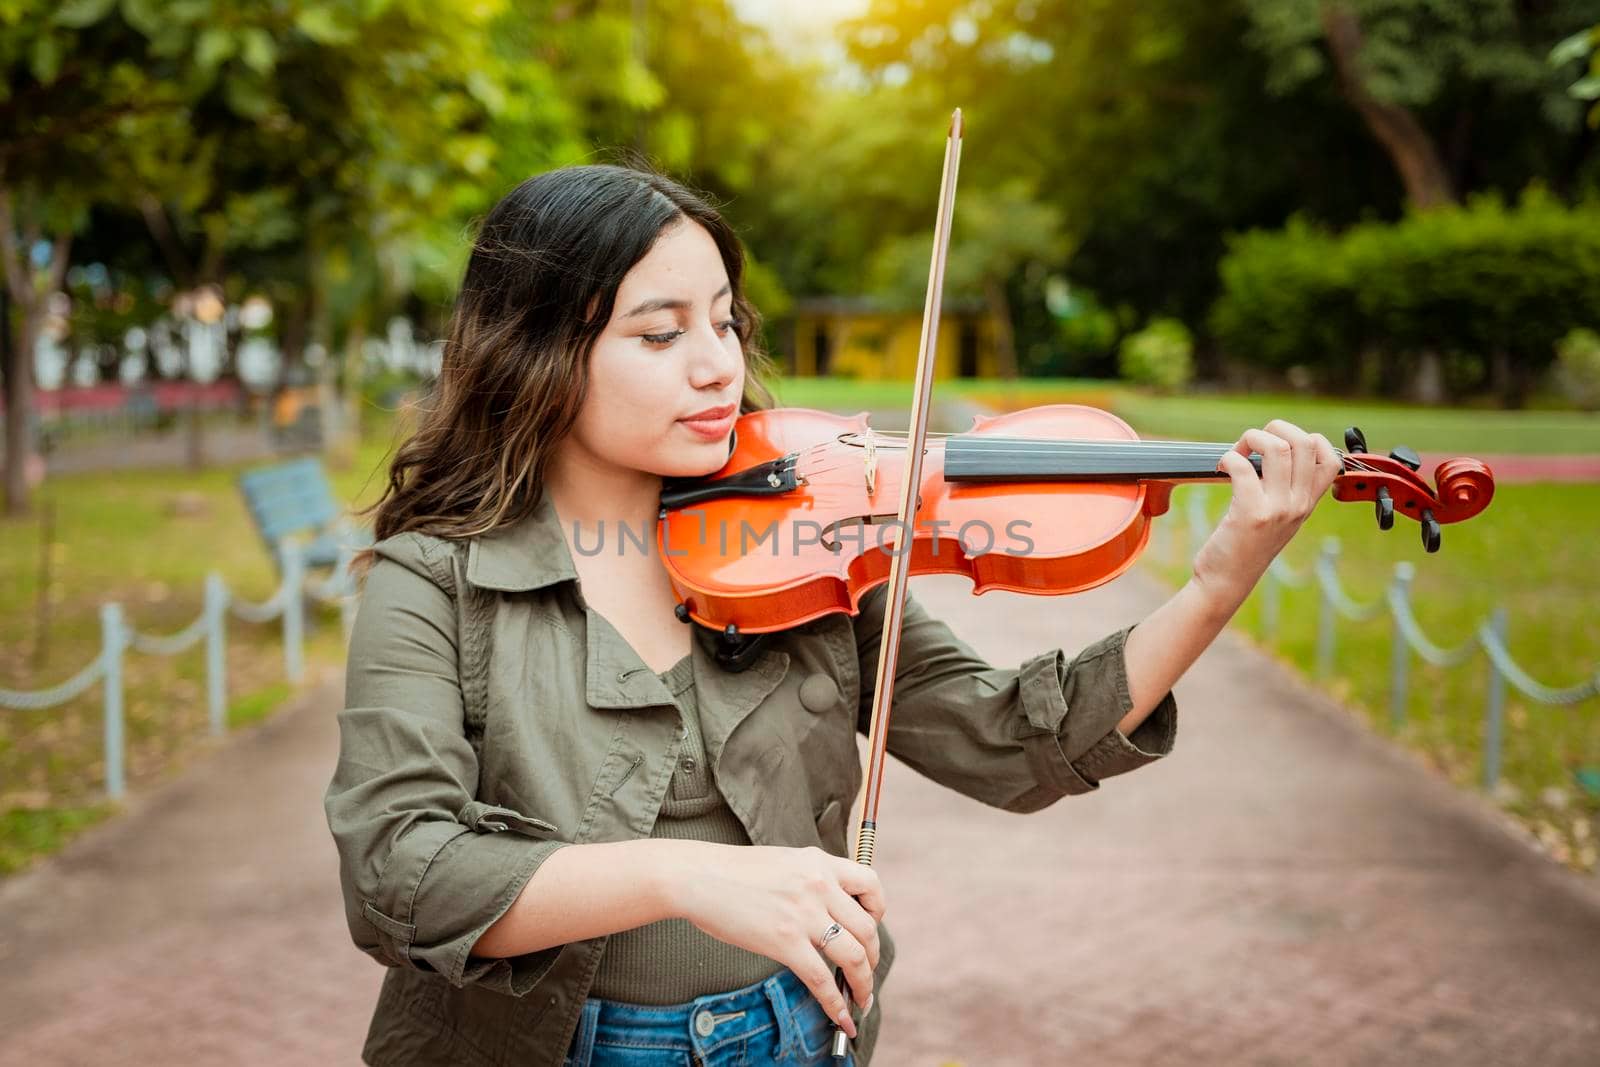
x,y
1427,386
1510,378
17,362
1413,152
1005,343
18,367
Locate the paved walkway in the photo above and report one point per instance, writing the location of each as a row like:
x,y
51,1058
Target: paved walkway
x,y
1284,889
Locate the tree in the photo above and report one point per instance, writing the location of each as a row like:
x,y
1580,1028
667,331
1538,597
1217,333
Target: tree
x,y
1434,83
76,107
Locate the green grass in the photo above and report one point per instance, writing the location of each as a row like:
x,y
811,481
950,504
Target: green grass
x,y
257,705
1452,430
1534,552
28,833
831,394
1224,418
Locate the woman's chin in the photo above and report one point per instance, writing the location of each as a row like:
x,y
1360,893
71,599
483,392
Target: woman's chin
x,y
696,460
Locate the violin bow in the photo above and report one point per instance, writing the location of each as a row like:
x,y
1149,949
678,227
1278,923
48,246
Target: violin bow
x,y
905,529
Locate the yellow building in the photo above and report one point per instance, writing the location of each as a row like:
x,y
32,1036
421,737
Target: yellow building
x,y
856,337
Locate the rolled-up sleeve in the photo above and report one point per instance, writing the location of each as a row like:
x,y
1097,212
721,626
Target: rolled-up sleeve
x,y
1017,738
424,866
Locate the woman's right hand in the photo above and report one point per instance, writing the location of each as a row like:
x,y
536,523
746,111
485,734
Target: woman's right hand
x,y
778,901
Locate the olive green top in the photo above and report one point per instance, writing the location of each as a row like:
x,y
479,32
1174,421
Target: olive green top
x,y
674,961
493,717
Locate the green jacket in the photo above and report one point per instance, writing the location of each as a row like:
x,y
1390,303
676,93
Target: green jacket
x,y
492,717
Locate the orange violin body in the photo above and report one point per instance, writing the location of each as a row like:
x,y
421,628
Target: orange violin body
x,y
801,520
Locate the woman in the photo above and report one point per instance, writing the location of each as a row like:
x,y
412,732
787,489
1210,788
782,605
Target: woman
x,y
574,834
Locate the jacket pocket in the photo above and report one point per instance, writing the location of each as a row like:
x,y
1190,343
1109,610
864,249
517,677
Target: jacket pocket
x,y
492,818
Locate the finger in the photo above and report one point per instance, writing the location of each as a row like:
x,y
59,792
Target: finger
x,y
862,883
1247,488
851,956
1303,463
854,918
818,977
1275,462
1329,463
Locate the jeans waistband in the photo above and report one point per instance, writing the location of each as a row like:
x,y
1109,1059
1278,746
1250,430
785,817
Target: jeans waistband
x,y
701,1026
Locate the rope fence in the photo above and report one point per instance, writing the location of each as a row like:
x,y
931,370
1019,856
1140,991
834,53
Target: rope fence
x,y
1178,541
118,637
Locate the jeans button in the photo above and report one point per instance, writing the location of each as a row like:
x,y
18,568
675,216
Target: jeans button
x,y
704,1024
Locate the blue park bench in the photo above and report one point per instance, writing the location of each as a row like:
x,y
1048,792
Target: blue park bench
x,y
294,500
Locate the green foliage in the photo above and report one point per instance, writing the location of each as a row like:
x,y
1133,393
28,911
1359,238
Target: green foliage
x,y
1160,356
1578,367
1584,43
1417,52
1287,300
1475,281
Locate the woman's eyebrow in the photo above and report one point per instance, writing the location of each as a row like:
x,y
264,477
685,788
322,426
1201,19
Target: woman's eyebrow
x,y
663,304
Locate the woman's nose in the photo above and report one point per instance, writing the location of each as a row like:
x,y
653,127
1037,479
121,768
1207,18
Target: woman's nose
x,y
716,359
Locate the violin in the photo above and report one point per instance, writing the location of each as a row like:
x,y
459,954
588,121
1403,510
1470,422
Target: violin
x,y
1054,499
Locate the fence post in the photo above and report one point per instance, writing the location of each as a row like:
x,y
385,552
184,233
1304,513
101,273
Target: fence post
x,y
294,606
1271,589
1494,711
217,653
1400,653
1327,612
112,642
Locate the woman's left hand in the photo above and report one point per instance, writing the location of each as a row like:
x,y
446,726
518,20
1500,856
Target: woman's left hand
x,y
1266,510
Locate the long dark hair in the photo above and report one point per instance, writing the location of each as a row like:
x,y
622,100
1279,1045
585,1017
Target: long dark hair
x,y
538,292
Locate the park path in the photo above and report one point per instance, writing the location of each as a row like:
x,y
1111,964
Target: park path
x,y
1285,888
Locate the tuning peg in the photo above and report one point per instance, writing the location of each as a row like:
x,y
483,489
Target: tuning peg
x,y
1383,507
1430,531
1354,440
1408,456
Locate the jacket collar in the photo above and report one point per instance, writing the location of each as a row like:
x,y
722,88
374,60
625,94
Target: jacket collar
x,y
532,554
528,554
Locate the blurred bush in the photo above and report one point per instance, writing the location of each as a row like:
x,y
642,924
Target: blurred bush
x,y
1578,368
1478,293
1160,356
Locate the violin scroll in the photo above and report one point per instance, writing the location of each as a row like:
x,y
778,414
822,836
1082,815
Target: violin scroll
x,y
1462,487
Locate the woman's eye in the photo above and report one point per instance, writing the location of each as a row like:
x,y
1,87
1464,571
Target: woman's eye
x,y
663,338
730,324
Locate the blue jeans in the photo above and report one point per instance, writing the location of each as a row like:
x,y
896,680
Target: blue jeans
x,y
776,1021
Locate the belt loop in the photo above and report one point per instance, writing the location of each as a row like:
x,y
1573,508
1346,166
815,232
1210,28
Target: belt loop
x,y
582,1052
788,1034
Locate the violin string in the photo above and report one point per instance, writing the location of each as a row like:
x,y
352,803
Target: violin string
x,y
1146,458
971,439
1145,450
985,442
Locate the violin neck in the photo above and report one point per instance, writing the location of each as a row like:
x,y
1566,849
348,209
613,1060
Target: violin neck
x,y
987,458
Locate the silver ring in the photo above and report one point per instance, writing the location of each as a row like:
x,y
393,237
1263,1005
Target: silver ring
x,y
833,931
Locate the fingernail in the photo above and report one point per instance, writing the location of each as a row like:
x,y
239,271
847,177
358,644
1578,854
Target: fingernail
x,y
844,1018
870,998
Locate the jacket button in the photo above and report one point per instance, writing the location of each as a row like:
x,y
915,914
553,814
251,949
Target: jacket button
x,y
819,693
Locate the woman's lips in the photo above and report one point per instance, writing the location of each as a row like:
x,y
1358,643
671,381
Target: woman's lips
x,y
711,429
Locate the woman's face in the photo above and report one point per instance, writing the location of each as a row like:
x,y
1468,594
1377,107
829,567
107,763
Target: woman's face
x,y
669,352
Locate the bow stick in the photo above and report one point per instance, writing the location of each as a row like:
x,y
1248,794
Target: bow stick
x,y
900,558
